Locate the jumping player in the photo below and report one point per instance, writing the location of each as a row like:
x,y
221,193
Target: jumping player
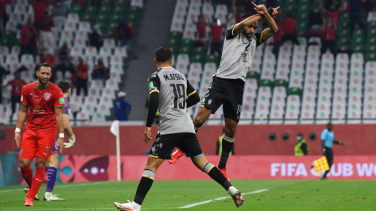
x,y
172,93
42,105
227,87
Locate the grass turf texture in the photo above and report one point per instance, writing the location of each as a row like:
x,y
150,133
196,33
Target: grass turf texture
x,y
169,195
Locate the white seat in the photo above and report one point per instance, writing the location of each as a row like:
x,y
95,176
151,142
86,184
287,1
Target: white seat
x,y
84,26
82,118
292,109
26,59
4,51
105,52
176,26
95,93
137,3
115,76
277,107
70,26
11,59
109,43
178,18
82,35
11,26
78,42
16,50
59,22
15,18
76,52
221,12
112,85
19,9
121,51
116,60
73,17
91,52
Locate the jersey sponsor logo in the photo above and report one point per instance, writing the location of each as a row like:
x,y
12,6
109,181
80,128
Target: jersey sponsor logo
x,y
61,100
47,96
209,102
37,107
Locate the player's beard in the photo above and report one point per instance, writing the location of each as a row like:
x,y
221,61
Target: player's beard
x,y
41,81
248,35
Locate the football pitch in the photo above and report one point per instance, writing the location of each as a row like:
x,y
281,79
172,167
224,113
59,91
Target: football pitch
x,y
204,195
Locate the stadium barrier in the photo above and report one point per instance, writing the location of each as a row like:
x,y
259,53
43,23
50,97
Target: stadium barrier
x,y
82,168
249,139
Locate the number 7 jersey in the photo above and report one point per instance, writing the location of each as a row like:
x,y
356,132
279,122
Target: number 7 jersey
x,y
173,89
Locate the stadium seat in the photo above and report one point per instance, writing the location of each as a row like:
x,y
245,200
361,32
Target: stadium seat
x,y
4,51
76,52
369,99
84,26
121,51
278,105
105,52
221,12
109,43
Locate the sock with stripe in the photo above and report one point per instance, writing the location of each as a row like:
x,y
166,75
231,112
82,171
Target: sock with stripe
x,y
143,188
51,175
27,174
37,181
216,175
227,145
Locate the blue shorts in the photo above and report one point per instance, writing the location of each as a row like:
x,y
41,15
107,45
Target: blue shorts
x,y
54,148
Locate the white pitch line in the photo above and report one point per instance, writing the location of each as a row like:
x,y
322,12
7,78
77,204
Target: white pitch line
x,y
62,186
221,198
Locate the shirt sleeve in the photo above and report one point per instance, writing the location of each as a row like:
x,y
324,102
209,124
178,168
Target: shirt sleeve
x,y
66,108
59,99
230,32
323,135
190,89
24,95
258,36
154,83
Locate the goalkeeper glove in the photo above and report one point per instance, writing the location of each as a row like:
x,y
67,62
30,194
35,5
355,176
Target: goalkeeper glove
x,y
72,140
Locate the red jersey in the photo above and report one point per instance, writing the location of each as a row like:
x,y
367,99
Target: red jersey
x,y
17,87
289,25
278,34
42,104
333,16
48,58
329,33
201,27
216,32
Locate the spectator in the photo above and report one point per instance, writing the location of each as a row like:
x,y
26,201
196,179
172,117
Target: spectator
x,y
289,30
333,14
101,72
369,6
39,7
17,85
216,36
277,37
355,14
121,107
46,57
29,37
329,37
301,148
82,75
315,19
82,3
125,33
3,15
95,38
337,4
201,30
59,9
3,73
46,22
63,53
65,66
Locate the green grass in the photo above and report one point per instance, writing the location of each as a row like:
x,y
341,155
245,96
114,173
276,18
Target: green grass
x,y
169,195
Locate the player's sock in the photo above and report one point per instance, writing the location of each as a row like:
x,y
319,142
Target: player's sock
x,y
143,188
27,174
51,175
227,145
216,175
37,181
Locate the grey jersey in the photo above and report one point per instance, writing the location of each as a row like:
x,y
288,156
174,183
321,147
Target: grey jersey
x,y
173,90
237,56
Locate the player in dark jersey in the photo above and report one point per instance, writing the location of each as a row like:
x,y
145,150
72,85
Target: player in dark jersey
x,y
171,92
42,105
228,82
66,87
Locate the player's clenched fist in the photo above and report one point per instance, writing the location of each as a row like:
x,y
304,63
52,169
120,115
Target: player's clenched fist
x,y
60,142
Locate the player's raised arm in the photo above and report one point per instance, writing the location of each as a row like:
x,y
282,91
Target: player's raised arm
x,y
267,14
246,22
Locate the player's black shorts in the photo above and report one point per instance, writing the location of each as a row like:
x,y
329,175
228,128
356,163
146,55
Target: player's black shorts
x,y
228,92
329,154
164,144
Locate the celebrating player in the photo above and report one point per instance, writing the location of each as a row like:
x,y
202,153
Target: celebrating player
x,y
54,162
171,91
44,102
228,82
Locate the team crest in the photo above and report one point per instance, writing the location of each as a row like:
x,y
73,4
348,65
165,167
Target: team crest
x,y
47,148
47,96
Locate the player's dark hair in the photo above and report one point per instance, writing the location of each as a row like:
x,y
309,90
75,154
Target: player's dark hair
x,y
163,54
64,86
44,65
246,15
